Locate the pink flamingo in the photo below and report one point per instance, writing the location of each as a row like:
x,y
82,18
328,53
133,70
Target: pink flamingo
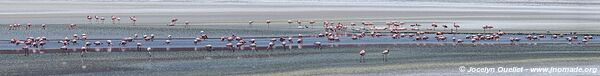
x,y
89,18
113,19
230,46
487,27
434,26
84,37
240,45
173,21
133,19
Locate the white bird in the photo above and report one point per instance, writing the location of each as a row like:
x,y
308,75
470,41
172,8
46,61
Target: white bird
x,y
385,53
148,50
167,42
208,47
83,50
318,45
362,54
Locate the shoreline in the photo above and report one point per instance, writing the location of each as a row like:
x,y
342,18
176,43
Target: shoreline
x,y
292,47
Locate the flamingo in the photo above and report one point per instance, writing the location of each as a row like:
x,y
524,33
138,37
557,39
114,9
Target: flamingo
x,y
203,35
318,44
97,43
26,49
456,26
230,46
119,19
74,41
271,46
89,18
362,54
268,22
138,46
459,41
487,27
570,40
83,51
187,23
72,26
64,49
434,26
97,18
169,37
196,41
171,24
84,37
28,25
173,20
102,19
208,47
75,36
43,26
109,42
133,19
384,54
87,44
284,45
113,19
167,42
11,27
299,41
311,22
253,46
513,40
149,53
123,43
240,45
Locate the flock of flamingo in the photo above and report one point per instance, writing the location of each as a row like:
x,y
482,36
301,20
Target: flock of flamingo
x,y
332,32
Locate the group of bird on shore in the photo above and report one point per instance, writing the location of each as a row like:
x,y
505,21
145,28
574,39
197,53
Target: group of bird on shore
x,y
332,32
